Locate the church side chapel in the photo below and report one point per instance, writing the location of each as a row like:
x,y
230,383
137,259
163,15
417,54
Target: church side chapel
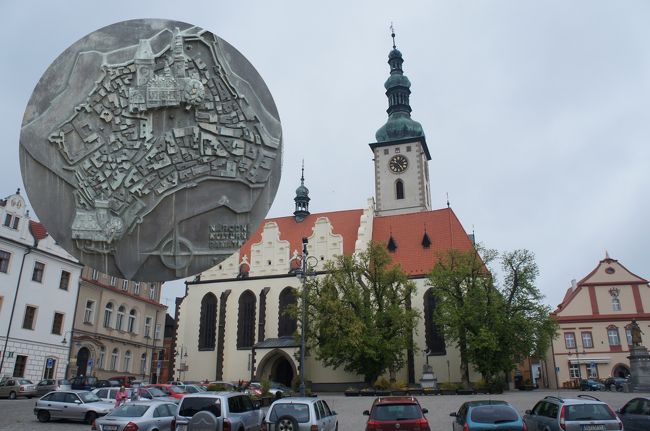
x,y
231,320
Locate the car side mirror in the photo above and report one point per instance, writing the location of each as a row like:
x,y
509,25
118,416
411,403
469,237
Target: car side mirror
x,y
425,411
333,413
77,402
454,414
366,413
529,412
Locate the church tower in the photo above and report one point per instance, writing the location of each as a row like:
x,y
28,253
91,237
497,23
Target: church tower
x,y
401,154
302,198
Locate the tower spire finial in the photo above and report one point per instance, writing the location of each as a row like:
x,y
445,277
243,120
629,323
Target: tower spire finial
x,y
392,33
302,175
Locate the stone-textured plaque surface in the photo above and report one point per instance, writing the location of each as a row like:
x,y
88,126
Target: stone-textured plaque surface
x,y
151,149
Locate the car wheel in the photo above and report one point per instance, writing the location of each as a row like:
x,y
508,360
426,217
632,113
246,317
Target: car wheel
x,y
29,397
12,395
287,423
43,416
90,417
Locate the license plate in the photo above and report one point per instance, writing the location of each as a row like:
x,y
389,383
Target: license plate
x,y
593,427
109,428
181,427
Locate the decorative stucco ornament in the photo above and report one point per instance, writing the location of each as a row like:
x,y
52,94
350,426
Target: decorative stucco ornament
x,y
151,149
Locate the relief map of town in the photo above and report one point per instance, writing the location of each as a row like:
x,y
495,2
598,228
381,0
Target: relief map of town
x,y
151,150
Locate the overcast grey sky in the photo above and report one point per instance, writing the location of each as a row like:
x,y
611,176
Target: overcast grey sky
x,y
536,113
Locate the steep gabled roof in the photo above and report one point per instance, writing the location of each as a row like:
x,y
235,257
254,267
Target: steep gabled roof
x,y
442,228
37,230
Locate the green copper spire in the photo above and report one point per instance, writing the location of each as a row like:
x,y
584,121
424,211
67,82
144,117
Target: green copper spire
x,y
399,124
302,198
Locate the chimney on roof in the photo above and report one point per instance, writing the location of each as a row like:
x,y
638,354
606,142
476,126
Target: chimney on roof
x,y
574,285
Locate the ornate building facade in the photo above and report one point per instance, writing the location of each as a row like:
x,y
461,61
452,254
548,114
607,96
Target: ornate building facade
x,y
231,321
118,327
39,282
595,316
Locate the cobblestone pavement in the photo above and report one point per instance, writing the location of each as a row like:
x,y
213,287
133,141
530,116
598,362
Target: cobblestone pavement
x,y
18,415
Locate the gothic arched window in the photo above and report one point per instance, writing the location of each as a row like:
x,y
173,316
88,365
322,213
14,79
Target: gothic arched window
x,y
434,338
286,324
208,322
399,189
246,320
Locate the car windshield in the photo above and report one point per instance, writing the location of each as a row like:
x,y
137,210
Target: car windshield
x,y
297,410
130,411
191,406
155,392
176,390
493,414
588,412
63,382
396,412
25,382
88,397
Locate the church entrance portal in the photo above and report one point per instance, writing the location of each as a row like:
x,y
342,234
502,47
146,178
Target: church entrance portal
x,y
621,371
277,366
282,372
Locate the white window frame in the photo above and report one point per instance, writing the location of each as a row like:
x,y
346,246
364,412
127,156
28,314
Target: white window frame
x,y
127,361
136,288
586,335
108,315
119,318
89,312
574,371
131,320
115,354
613,337
125,285
616,304
147,326
570,340
157,332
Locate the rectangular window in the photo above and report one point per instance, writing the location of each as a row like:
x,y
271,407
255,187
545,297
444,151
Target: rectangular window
x,y
12,221
89,312
385,151
30,317
125,285
19,367
396,150
628,335
157,332
57,323
587,340
570,340
612,336
408,148
64,283
593,371
4,261
147,327
113,281
574,371
152,292
136,288
14,225
39,269
8,220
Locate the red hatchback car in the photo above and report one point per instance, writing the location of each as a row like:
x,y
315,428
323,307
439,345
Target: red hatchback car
x,y
170,390
390,413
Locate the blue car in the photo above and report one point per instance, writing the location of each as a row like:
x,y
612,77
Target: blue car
x,y
483,415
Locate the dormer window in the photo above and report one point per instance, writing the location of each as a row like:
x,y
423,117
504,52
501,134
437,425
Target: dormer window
x,y
11,221
426,241
392,245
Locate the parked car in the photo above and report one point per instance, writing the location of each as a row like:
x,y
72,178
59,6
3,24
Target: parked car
x,y
124,380
107,384
635,414
615,383
591,385
300,414
170,390
255,388
74,404
403,413
140,416
156,394
14,387
191,389
108,394
218,410
572,414
84,383
484,415
49,385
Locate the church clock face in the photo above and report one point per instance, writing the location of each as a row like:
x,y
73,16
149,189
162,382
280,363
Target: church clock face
x,y
398,164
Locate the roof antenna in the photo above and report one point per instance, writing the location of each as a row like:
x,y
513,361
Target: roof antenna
x,y
447,199
607,255
392,33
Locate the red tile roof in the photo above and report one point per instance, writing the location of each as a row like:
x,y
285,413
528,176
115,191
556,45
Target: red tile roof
x,y
37,230
407,230
344,223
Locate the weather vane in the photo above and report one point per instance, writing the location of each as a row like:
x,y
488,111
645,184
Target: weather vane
x,y
392,33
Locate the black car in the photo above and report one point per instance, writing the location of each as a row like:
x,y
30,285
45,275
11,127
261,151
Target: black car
x,y
84,383
615,383
635,414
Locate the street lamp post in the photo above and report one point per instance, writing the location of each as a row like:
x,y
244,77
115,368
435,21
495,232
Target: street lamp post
x,y
302,274
64,342
182,354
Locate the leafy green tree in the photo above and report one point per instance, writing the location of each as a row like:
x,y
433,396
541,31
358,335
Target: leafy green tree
x,y
359,314
462,288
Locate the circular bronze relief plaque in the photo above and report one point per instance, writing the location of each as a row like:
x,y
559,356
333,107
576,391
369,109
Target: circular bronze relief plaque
x,y
151,149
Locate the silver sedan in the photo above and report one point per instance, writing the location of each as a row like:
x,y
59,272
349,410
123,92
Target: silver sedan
x,y
139,415
76,405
